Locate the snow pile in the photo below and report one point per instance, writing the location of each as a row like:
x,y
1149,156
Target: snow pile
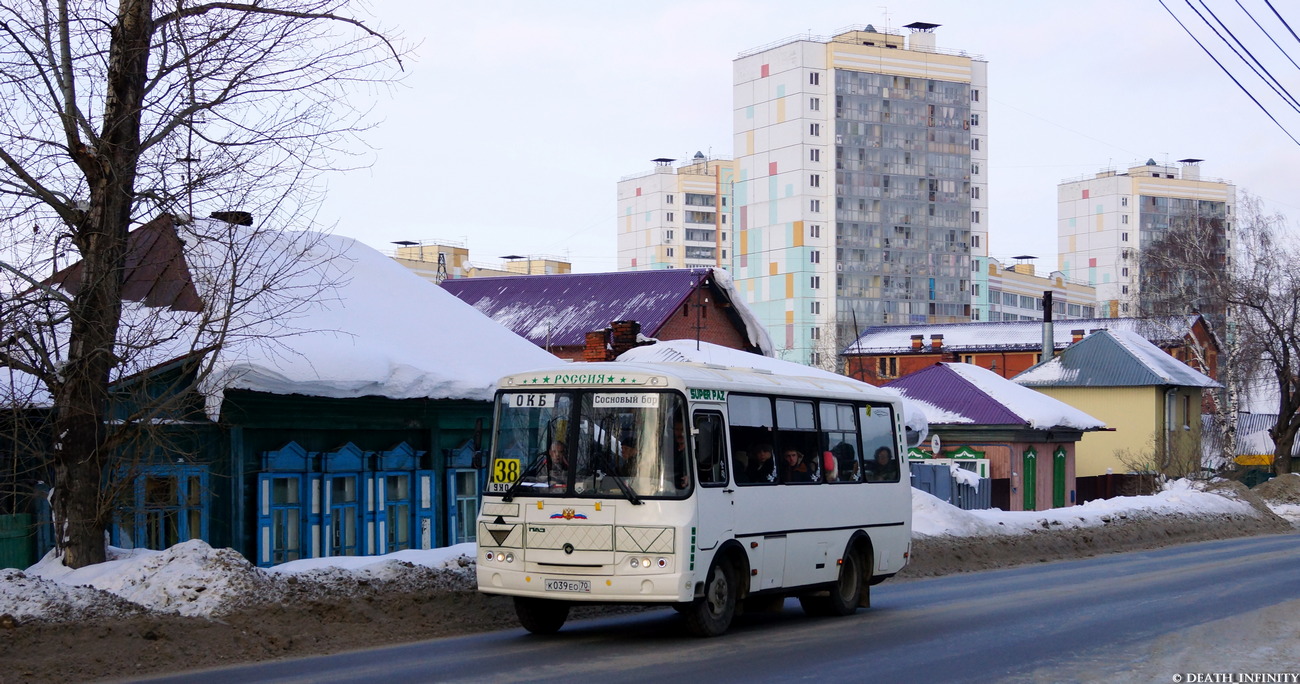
x,y
195,580
933,517
191,579
25,597
1282,494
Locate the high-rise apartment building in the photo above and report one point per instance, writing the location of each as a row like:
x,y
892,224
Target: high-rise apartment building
x,y
676,216
860,190
1105,222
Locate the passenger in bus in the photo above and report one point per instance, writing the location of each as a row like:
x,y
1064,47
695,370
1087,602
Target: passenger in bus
x,y
882,467
627,458
762,465
847,459
679,452
830,467
556,460
797,469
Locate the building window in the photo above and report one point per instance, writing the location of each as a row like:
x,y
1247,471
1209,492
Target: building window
x,y
815,333
815,154
1124,271
814,230
974,119
815,308
974,95
814,129
171,505
815,104
669,251
1123,201
975,314
724,220
975,216
975,289
1123,308
814,78
724,254
815,282
668,217
887,367
669,199
974,242
1123,289
815,256
975,143
975,192
1123,237
815,206
668,236
815,180
975,169
1123,218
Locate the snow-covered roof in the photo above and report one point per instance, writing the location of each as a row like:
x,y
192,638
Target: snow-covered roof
x,y
321,315
1113,358
1012,335
977,395
560,309
690,351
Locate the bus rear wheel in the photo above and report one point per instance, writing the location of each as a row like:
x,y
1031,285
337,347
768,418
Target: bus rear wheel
x,y
845,595
711,614
541,616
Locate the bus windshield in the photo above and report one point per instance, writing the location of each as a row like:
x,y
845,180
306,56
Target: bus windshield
x,y
590,443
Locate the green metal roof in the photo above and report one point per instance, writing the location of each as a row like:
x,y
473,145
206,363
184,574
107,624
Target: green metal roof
x,y
1114,358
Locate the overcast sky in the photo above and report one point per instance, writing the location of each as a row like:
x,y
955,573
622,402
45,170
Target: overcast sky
x,y
517,119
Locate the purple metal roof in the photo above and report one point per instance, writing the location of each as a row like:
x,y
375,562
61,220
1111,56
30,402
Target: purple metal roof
x,y
561,309
945,388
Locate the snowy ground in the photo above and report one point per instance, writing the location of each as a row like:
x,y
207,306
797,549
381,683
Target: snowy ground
x,y
150,602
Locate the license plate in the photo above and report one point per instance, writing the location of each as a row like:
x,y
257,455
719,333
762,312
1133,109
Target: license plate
x,y
578,586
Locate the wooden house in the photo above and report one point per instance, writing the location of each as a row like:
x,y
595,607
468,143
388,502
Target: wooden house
x,y
1027,439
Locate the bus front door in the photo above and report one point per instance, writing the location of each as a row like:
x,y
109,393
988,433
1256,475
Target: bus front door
x,y
714,492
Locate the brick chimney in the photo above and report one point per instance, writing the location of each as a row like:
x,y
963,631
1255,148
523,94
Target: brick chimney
x,y
597,347
624,336
936,342
917,340
1076,335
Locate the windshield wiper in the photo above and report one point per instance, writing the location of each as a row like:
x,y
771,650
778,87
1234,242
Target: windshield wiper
x,y
618,480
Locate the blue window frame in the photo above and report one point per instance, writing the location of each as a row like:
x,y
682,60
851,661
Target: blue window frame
x,y
170,504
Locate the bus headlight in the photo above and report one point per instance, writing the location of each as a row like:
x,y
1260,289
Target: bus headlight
x,y
635,563
645,562
500,556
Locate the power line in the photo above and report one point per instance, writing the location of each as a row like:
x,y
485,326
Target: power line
x,y
1229,73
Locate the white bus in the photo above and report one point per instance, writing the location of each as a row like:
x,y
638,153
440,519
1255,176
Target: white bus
x,y
782,485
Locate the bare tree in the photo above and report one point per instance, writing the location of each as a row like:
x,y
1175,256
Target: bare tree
x,y
1253,283
115,113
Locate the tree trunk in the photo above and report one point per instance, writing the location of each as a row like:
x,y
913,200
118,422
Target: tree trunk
x,y
81,398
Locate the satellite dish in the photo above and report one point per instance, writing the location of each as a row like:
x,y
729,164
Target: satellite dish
x,y
934,445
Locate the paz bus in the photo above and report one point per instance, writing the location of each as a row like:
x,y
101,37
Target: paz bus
x,y
711,489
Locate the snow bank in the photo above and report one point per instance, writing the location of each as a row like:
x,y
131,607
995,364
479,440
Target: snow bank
x,y
193,579
932,517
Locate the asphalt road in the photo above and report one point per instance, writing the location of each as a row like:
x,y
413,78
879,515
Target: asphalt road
x,y
1067,621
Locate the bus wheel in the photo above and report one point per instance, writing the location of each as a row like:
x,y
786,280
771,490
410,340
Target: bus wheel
x,y
541,616
711,614
844,596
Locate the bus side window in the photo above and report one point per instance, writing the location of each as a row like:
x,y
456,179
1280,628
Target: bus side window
x,y
879,446
750,420
710,449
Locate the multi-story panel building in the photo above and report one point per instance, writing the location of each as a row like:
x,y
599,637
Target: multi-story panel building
x,y
676,217
1105,222
1015,293
860,193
